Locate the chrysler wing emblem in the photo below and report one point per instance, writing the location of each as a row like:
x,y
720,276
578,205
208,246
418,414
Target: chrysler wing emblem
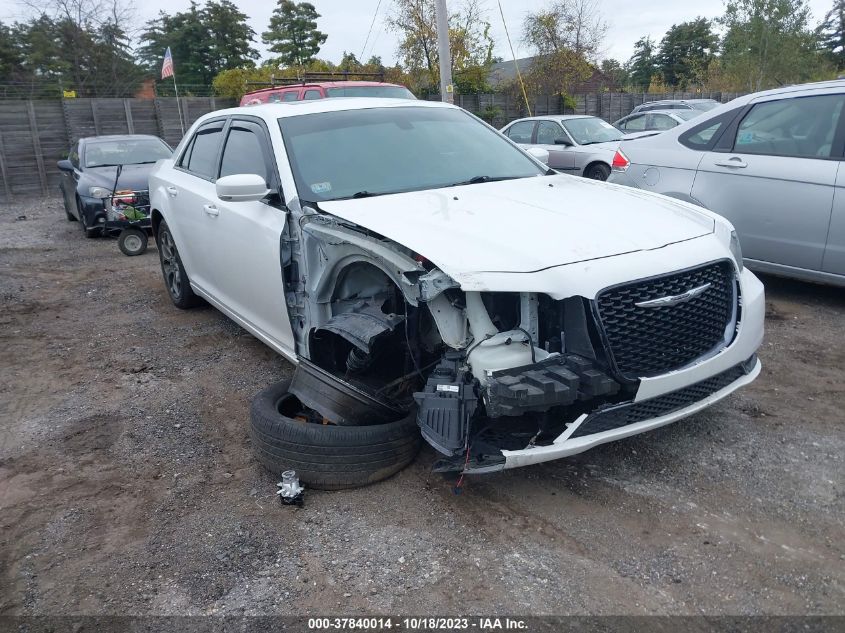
x,y
673,300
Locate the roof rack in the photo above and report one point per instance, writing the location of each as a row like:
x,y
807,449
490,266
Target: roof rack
x,y
336,75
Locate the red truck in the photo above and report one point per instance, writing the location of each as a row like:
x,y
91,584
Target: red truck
x,y
310,87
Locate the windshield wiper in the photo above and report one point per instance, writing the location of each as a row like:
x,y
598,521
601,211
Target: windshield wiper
x,y
479,179
594,142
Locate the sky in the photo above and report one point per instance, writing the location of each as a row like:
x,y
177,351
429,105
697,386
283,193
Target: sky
x,y
347,22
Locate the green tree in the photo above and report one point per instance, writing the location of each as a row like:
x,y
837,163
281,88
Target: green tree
x,y
686,52
831,33
203,41
11,55
642,65
614,71
769,42
470,43
293,33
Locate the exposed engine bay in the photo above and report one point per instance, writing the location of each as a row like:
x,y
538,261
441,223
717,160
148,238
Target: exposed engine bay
x,y
488,371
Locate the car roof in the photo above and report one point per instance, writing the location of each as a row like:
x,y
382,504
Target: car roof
x,y
658,111
117,137
270,111
322,84
555,117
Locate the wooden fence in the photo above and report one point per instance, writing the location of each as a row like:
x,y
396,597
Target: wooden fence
x,y
35,134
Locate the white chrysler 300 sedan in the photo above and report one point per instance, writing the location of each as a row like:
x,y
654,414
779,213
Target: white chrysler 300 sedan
x,y
431,279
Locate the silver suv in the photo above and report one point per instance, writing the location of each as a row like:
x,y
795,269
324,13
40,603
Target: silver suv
x,y
770,163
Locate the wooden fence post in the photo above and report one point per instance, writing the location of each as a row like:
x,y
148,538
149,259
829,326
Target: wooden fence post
x,y
130,125
96,117
36,145
6,186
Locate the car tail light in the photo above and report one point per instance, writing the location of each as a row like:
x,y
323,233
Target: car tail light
x,y
620,161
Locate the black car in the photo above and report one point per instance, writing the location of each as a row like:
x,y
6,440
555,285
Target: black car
x,y
104,181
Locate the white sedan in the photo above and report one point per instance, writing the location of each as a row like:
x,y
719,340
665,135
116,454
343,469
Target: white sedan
x,y
430,278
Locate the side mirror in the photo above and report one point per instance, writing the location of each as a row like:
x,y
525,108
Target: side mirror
x,y
65,165
540,154
241,188
562,141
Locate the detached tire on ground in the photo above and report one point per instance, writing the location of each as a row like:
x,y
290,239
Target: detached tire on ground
x,y
326,456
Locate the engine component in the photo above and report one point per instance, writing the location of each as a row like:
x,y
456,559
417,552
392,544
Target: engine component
x,y
446,404
290,492
556,381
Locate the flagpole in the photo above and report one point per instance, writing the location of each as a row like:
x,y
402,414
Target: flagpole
x,y
178,105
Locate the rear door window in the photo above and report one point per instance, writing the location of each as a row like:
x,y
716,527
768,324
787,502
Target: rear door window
x,y
521,132
312,94
200,158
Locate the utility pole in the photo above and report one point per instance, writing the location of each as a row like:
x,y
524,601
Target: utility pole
x,y
445,55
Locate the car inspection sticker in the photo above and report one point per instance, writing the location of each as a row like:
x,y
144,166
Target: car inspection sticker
x,y
321,187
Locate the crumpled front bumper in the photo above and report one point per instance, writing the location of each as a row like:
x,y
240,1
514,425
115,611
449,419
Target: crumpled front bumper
x,y
745,344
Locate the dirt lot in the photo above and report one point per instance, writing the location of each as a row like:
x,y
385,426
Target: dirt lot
x,y
127,485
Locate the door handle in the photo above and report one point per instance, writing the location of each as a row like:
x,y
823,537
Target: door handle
x,y
734,161
172,192
211,210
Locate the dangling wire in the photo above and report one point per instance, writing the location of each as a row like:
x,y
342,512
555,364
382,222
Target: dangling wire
x,y
515,65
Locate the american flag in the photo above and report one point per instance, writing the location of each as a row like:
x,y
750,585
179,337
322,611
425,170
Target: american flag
x,y
167,66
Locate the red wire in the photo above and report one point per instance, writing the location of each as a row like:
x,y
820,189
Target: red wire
x,y
461,478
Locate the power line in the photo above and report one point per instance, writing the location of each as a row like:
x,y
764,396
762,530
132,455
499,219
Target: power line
x,y
513,54
361,57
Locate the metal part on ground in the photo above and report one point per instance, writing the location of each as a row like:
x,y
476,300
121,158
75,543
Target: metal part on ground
x,y
290,491
338,401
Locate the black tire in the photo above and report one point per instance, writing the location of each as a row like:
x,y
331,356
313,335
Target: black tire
x,y
599,171
86,231
132,242
325,456
175,278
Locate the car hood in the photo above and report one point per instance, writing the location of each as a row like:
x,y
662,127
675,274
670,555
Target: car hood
x,y
524,225
134,177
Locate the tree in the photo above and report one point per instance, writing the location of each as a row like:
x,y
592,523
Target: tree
x,y
293,33
614,71
642,65
203,41
11,55
469,41
76,44
831,33
768,42
565,37
686,52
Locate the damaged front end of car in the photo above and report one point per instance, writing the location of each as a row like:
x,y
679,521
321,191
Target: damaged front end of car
x,y
381,330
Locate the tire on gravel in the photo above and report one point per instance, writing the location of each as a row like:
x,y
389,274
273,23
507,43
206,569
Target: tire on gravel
x,y
326,456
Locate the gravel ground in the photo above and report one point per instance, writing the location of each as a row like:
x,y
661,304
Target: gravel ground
x,y
127,485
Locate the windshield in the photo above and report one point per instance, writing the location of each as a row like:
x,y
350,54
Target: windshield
x,y
591,130
390,92
686,115
125,152
703,106
359,153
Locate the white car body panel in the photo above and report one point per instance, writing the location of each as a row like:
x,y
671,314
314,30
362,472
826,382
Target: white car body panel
x,y
477,228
